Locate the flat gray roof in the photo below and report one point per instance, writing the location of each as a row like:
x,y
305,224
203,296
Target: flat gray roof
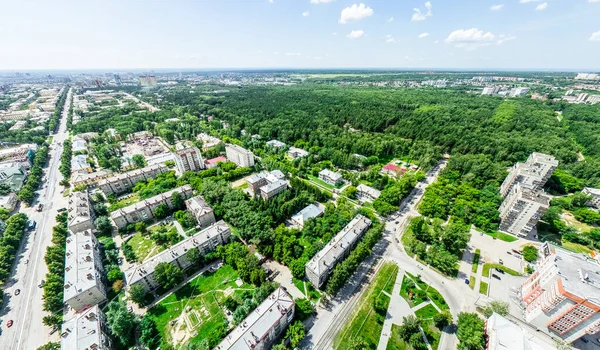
x,y
580,276
82,331
80,264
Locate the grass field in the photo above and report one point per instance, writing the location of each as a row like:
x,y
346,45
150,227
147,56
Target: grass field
x,y
472,281
405,292
426,312
476,260
322,183
366,323
556,239
395,342
133,198
431,332
143,246
502,236
432,293
483,288
488,267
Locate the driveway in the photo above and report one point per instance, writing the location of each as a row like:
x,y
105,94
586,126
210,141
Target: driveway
x,y
284,278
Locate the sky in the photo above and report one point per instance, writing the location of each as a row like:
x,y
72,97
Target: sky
x,y
212,34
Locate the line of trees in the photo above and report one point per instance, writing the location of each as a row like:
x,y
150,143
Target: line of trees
x,y
65,162
60,104
55,261
10,242
27,192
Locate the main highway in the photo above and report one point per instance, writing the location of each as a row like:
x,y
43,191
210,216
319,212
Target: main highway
x,y
25,309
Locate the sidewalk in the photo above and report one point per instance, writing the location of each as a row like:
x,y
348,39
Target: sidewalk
x,y
398,308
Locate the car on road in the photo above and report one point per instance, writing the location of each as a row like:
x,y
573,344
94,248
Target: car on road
x,y
120,261
32,225
39,207
41,284
61,210
466,281
17,291
496,276
9,323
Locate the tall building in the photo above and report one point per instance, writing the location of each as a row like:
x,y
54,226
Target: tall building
x,y
595,194
490,90
83,272
533,174
205,241
123,182
80,213
502,334
202,212
240,156
86,331
562,296
322,264
188,159
264,325
521,210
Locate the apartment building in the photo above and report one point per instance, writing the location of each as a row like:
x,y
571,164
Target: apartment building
x,y
83,272
12,174
490,90
502,334
81,215
320,266
124,182
263,326
330,177
188,159
92,179
144,210
274,188
534,173
521,210
562,296
518,91
294,152
240,156
275,144
366,193
309,212
201,210
213,163
595,194
266,184
205,241
79,163
86,331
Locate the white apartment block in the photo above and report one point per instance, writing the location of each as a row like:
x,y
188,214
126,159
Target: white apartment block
x,y
521,210
240,156
86,331
81,215
267,184
188,159
322,264
503,334
330,177
294,152
595,194
263,326
534,173
593,99
83,272
201,210
205,241
124,182
144,210
309,212
562,296
275,144
366,193
518,91
490,90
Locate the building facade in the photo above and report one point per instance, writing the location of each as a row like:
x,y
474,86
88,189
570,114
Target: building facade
x,y
502,334
263,326
330,177
81,215
188,159
562,296
366,193
144,210
521,210
294,152
266,184
309,212
124,182
205,241
534,173
240,156
595,194
322,264
201,210
86,331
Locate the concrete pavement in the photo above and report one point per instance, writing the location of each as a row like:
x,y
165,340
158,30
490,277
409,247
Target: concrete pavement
x,y
397,309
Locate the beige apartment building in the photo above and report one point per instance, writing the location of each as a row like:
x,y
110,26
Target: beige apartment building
x,y
86,331
188,159
203,213
521,210
240,156
124,182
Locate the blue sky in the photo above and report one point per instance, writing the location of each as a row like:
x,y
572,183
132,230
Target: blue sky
x,y
486,34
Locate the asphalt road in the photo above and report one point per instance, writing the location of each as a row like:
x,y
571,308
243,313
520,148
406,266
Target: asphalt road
x,y
25,309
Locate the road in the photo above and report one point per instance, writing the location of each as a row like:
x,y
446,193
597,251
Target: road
x,y
333,314
28,331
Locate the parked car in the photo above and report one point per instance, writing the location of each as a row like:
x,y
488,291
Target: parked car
x,y
496,276
32,225
17,291
61,210
9,323
41,284
466,281
39,207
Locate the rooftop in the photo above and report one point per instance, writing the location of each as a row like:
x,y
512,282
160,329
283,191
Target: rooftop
x,y
148,202
309,212
369,190
83,331
237,148
275,143
580,276
503,334
198,204
216,160
330,174
79,208
593,191
79,162
136,172
273,186
81,273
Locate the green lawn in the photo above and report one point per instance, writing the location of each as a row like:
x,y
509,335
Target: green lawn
x,y
432,333
143,246
476,260
134,198
405,292
489,266
395,342
502,236
426,312
321,182
545,236
483,288
577,248
430,292
366,323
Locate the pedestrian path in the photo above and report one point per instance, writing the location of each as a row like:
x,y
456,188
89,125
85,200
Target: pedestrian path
x,y
398,308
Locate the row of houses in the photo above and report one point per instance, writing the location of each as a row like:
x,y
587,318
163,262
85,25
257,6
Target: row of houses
x,y
124,182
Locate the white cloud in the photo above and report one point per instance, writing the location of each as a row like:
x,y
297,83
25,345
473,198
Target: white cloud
x,y
526,1
472,38
595,36
420,16
593,0
423,35
355,34
305,14
320,1
437,41
389,39
541,7
355,13
496,7
271,1
391,19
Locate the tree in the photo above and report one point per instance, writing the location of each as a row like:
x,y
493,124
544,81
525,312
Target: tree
x,y
50,346
118,285
442,319
497,306
178,201
296,333
470,331
149,336
114,274
380,305
167,275
194,257
121,322
103,225
140,227
580,199
161,211
139,160
416,341
350,192
530,253
358,344
138,294
304,309
410,325
52,320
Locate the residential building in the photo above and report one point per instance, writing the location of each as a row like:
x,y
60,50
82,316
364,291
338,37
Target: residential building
x,y
294,152
534,173
593,99
188,159
503,334
83,271
562,296
9,202
148,81
322,264
201,210
521,210
490,90
208,141
393,170
240,156
272,189
330,177
518,91
144,210
81,215
13,174
91,179
587,76
366,193
86,331
18,152
274,179
213,163
205,241
263,326
275,144
79,163
79,144
309,212
595,194
123,182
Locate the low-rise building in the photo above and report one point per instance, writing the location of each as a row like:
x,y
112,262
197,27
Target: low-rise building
x,y
203,213
79,163
309,212
503,334
240,156
214,162
330,177
188,159
91,179
13,174
124,182
275,144
392,170
294,152
366,193
266,184
521,210
518,91
144,210
490,90
79,145
18,152
208,141
263,326
9,201
595,194
205,241
86,331
81,215
83,272
322,264
272,189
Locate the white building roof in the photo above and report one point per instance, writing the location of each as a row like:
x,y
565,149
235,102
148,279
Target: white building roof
x,y
592,191
79,145
368,190
505,335
309,212
330,174
83,331
80,264
79,162
273,186
276,144
299,152
133,173
79,208
198,205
